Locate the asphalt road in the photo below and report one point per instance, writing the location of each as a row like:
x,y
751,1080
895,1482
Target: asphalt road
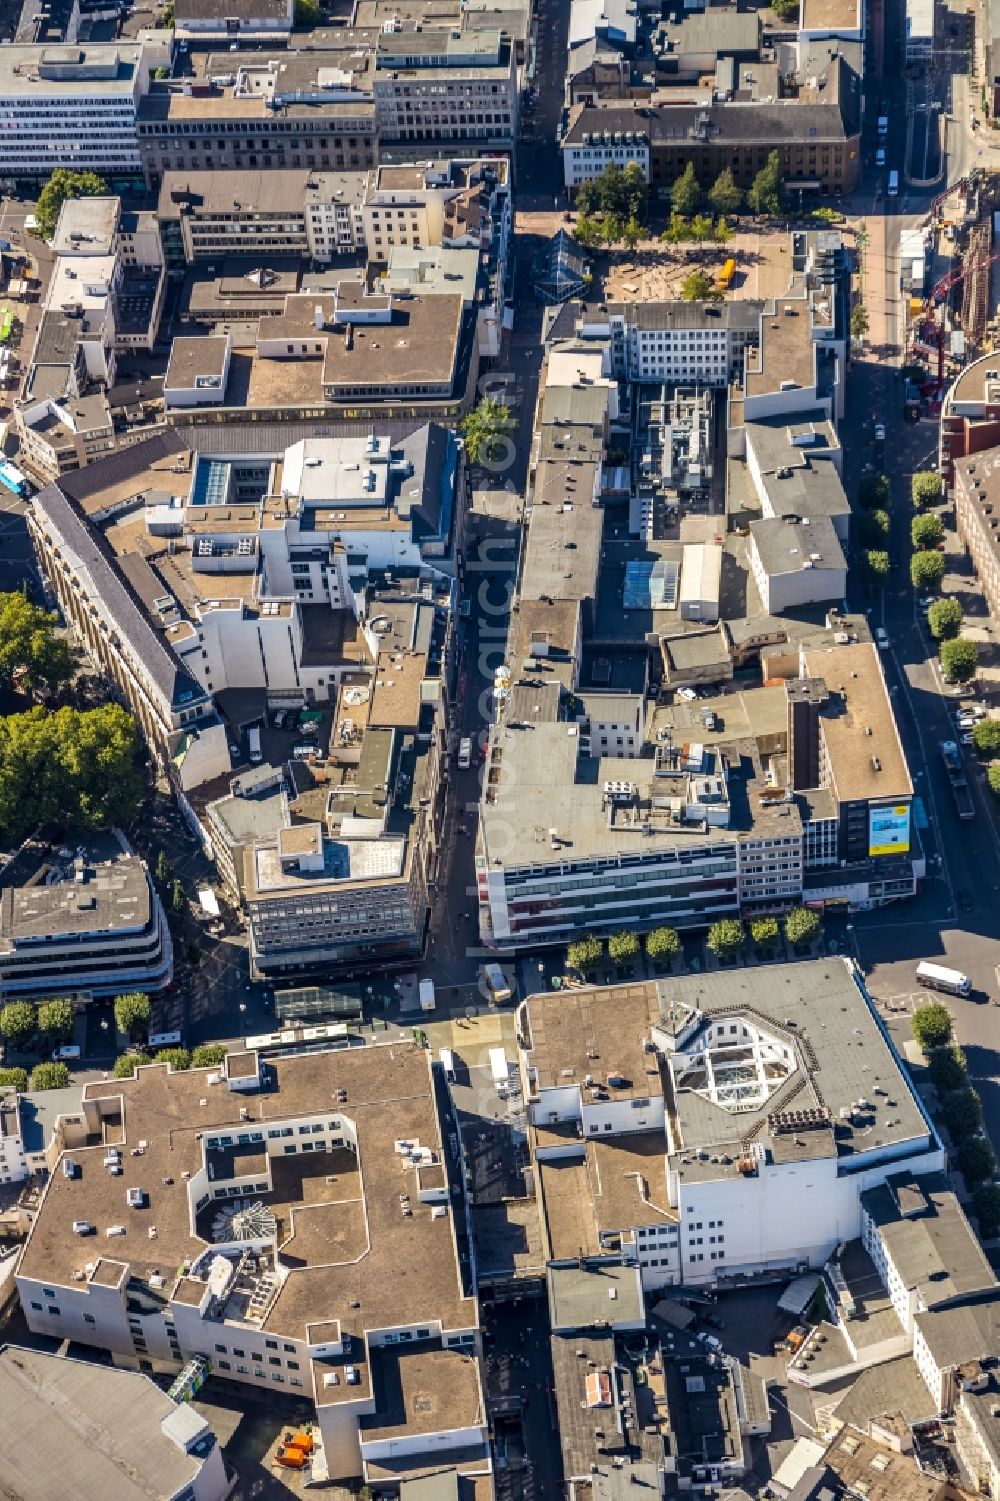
x,y
956,916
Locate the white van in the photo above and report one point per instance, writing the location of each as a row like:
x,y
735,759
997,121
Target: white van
x,y
164,1039
497,981
67,1054
464,753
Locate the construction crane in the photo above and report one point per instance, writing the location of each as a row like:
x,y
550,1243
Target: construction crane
x,y
929,331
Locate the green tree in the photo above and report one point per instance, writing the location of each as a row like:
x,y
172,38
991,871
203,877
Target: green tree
x,y
132,1013
584,956
160,74
208,1055
685,195
986,1204
18,1022
947,1068
14,1078
178,1058
632,233
725,937
875,565
802,927
786,10
962,1112
873,491
873,528
976,1160
634,192
702,228
723,233
859,317
931,1025
927,531
485,428
926,488
126,1065
959,659
49,1076
993,778
30,650
986,737
307,13
677,231
164,874
662,945
623,948
767,193
764,932
697,286
588,233
944,619
926,570
612,228
177,898
67,768
55,1019
724,196
64,184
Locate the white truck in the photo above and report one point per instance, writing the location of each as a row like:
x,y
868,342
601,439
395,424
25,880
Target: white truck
x,y
425,990
500,1069
253,741
937,977
464,753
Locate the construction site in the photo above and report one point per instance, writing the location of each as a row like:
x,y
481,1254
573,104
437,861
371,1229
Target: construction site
x,y
959,256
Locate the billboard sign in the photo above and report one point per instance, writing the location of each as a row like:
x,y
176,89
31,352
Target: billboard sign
x,y
889,830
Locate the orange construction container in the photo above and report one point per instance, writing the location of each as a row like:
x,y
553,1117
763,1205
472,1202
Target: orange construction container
x,y
302,1441
291,1457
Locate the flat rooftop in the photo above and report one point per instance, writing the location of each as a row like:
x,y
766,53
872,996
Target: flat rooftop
x,y
589,1297
858,725
847,1059
537,781
419,346
98,894
422,1388
929,1240
785,355
400,1268
78,1430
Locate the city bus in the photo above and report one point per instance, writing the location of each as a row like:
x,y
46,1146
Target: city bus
x,y
893,187
6,325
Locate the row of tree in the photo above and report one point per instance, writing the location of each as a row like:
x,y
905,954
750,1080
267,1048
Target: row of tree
x,y
765,196
52,1020
961,1111
725,939
56,1075
728,936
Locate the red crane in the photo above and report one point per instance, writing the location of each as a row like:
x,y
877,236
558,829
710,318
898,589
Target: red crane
x,y
929,337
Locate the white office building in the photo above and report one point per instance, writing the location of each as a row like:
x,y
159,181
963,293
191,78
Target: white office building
x,y
71,106
725,1125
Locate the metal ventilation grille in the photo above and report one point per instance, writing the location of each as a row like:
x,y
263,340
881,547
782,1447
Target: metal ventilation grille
x,y
244,1220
